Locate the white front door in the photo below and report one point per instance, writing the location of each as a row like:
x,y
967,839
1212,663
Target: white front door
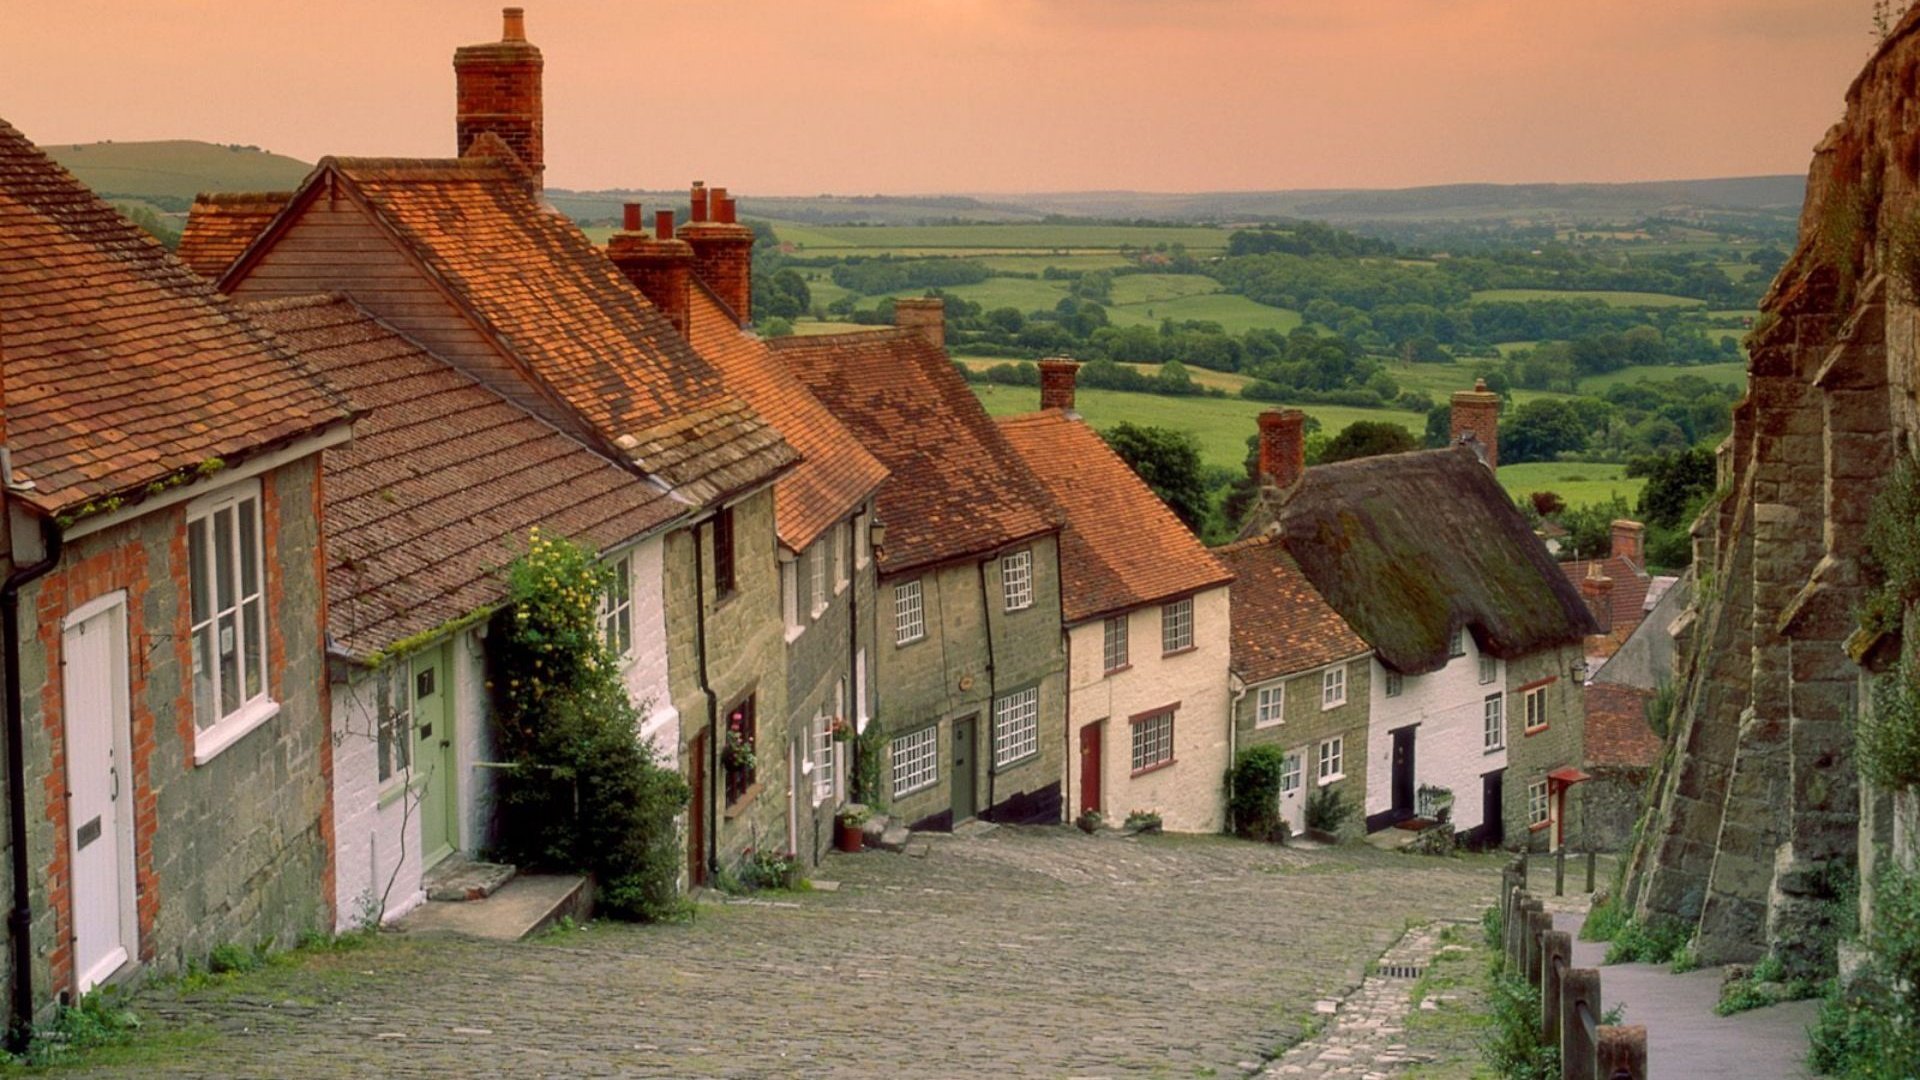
x,y
99,788
1293,800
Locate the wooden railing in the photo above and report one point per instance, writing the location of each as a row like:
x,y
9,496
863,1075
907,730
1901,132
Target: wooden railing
x,y
1570,1009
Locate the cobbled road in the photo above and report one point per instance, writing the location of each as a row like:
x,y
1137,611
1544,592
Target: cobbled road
x,y
1016,952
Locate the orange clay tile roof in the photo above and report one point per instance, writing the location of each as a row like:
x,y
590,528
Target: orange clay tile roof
x,y
1121,547
1281,624
442,482
836,474
956,487
1617,731
577,327
123,368
222,224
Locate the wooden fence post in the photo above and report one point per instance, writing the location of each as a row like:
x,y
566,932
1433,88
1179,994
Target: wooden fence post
x,y
1556,948
1539,924
1510,929
1622,1054
1560,871
1581,986
1589,870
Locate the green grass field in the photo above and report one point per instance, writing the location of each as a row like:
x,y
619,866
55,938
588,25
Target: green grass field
x,y
1235,314
1732,373
1580,483
177,169
1616,299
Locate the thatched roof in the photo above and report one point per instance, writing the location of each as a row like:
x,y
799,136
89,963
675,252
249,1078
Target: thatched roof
x,y
1407,547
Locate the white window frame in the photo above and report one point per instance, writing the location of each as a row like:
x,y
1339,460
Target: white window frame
x,y
1016,726
862,540
817,579
1493,713
617,605
790,597
1292,770
1396,684
1489,670
217,730
1270,706
1016,580
1457,642
1539,810
823,757
1333,687
1536,709
393,726
909,613
1151,739
1331,760
841,579
915,758
1113,644
1176,626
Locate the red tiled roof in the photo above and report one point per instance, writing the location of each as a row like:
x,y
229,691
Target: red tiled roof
x,y
1617,731
123,368
836,473
442,482
1281,624
1630,584
1121,547
578,329
956,488
221,225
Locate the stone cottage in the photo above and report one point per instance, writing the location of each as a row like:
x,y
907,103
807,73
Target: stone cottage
x,y
1476,633
168,759
1146,615
970,665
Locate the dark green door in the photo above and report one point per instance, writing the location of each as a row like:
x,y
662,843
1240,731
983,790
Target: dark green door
x,y
963,807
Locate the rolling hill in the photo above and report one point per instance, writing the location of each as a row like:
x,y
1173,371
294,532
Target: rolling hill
x,y
169,174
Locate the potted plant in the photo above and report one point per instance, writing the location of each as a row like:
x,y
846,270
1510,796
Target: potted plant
x,y
738,754
1143,821
842,731
849,833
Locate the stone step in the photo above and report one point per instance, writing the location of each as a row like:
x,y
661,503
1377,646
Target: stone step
x,y
519,909
458,878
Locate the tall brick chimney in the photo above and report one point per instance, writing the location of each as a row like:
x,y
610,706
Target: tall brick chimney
x,y
1283,447
659,265
925,315
1056,383
497,89
1476,421
1597,590
722,250
1629,541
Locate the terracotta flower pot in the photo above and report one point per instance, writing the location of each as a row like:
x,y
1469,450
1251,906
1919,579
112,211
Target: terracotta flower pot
x,y
848,838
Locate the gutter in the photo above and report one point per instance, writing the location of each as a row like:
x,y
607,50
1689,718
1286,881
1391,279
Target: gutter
x,y
20,917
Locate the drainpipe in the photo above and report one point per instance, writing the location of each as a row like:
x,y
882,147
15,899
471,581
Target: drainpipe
x,y
714,780
993,770
20,918
1068,762
853,649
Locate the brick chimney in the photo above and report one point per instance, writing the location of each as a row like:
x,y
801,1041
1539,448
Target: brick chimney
x,y
722,250
1476,421
1597,590
1283,447
659,265
497,89
924,315
1056,383
1629,541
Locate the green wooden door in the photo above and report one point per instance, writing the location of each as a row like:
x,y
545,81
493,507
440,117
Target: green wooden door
x,y
433,754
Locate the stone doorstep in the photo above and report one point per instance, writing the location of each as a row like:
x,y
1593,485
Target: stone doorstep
x,y
519,909
457,878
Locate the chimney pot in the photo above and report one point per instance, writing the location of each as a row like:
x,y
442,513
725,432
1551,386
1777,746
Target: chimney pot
x,y
1057,377
631,219
513,24
1283,447
699,202
497,90
725,207
663,224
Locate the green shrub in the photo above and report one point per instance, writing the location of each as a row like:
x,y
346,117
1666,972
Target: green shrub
x,y
1253,794
869,773
1892,560
100,1018
229,958
1656,941
1327,811
1511,1043
585,793
1887,736
1493,928
1604,920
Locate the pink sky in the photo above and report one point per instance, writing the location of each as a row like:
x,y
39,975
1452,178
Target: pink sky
x,y
899,96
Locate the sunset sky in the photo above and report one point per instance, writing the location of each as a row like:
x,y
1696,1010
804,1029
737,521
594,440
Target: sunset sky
x,y
915,96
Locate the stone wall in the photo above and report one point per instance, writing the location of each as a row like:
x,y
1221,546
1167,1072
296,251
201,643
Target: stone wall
x,y
1531,755
1305,724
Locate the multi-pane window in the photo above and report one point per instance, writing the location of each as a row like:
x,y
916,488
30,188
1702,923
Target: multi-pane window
x,y
1396,684
1290,772
227,580
817,577
393,709
840,578
1457,642
1016,580
1489,670
1270,705
790,596
823,754
616,608
1176,626
1495,714
909,620
1016,725
738,757
916,760
1333,759
1536,701
1152,741
1537,803
1333,686
724,580
1114,643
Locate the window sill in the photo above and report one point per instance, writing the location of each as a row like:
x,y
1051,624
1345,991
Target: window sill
x,y
794,632
739,805
1016,763
209,742
898,644
1017,610
1334,779
1112,671
1262,725
1329,706
1167,764
1493,749
1538,825
1533,730
818,610
1180,652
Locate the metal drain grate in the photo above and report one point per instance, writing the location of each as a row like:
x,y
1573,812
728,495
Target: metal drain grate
x,y
1400,971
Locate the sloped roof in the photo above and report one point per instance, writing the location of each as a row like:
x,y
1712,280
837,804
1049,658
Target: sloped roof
x,y
123,368
1281,625
442,482
1628,600
221,225
1120,547
578,329
956,487
1409,547
1617,731
836,473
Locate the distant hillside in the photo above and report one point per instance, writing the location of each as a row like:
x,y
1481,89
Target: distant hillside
x,y
169,174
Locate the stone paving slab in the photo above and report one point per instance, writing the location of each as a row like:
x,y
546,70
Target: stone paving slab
x,y
523,906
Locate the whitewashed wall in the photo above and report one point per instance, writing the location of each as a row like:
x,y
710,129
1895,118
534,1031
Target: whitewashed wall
x,y
372,847
1449,746
646,674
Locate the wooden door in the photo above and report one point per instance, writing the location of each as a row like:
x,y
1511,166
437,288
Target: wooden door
x,y
99,789
697,811
1090,768
1403,774
1493,822
963,798
433,756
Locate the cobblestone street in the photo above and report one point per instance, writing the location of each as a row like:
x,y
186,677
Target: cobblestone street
x,y
1015,952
